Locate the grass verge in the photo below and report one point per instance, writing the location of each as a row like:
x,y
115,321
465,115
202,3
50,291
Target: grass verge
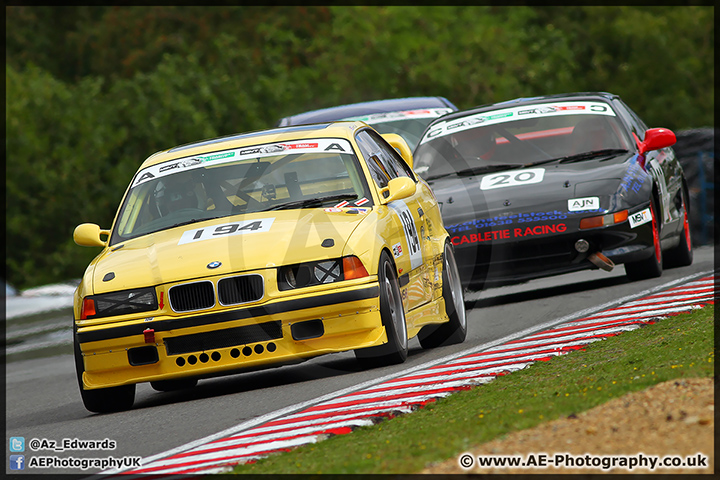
x,y
675,347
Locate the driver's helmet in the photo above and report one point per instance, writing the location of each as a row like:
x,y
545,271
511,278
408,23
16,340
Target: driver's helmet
x,y
174,193
474,143
592,133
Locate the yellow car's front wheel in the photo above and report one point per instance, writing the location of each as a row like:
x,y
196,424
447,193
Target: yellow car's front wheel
x,y
393,319
102,400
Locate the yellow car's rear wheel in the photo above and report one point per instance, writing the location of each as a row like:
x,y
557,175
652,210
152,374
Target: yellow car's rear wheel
x,y
455,330
393,319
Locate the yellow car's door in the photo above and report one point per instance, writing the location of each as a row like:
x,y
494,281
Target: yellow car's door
x,y
406,237
413,277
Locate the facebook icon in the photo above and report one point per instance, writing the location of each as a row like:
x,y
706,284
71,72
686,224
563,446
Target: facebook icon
x,y
17,462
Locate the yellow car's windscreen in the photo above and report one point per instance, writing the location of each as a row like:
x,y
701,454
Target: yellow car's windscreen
x,y
308,174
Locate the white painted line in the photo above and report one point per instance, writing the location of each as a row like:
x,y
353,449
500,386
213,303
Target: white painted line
x,y
647,314
477,365
595,332
368,394
655,299
638,307
236,452
400,406
498,355
390,407
438,377
293,429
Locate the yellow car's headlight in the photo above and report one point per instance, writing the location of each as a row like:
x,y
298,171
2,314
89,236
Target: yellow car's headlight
x,y
119,303
317,273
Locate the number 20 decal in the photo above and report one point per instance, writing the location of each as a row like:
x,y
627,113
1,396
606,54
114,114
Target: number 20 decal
x,y
512,178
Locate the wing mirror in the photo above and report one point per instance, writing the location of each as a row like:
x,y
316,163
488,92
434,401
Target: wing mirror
x,y
88,235
399,144
397,189
657,138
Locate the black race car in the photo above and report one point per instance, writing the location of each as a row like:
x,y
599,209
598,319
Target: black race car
x,y
406,117
547,185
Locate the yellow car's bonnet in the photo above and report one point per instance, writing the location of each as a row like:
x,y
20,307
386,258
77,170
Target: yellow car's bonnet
x,y
263,239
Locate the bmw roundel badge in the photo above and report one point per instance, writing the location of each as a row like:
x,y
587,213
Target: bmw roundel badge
x,y
213,264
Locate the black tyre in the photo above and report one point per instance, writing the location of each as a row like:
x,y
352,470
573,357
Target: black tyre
x,y
172,385
651,267
393,319
103,400
682,255
455,330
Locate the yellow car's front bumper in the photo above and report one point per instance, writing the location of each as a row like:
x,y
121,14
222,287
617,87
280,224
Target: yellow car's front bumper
x,y
282,331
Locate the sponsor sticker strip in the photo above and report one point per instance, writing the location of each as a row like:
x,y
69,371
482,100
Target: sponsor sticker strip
x,y
404,115
516,113
342,414
319,145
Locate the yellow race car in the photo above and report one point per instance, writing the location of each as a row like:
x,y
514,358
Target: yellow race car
x,y
263,249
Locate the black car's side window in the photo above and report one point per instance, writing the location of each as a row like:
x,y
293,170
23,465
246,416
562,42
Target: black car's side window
x,y
636,125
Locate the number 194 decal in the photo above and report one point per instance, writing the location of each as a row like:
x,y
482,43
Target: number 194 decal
x,y
235,228
512,178
411,233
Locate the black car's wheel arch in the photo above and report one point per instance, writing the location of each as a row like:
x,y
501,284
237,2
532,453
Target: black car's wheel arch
x,y
655,199
682,201
656,203
650,267
685,190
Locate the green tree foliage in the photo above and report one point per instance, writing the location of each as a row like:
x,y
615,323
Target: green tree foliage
x,y
91,91
58,138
